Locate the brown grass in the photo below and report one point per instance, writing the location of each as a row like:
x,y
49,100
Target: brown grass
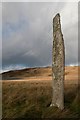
x,y
31,96
32,99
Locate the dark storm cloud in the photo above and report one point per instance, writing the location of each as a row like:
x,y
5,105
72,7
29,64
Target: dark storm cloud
x,y
27,33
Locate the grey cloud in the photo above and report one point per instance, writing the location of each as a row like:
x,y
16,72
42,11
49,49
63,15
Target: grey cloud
x,y
29,39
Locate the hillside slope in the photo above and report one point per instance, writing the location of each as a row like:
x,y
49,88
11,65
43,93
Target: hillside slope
x,y
70,72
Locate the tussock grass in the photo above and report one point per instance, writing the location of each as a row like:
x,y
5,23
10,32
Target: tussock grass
x,y
32,99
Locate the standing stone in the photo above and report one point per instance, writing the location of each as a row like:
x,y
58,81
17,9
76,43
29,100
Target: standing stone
x,y
58,64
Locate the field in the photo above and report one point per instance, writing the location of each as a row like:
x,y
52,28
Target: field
x,y
28,94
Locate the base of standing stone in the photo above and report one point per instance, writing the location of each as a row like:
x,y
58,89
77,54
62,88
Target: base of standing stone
x,y
53,105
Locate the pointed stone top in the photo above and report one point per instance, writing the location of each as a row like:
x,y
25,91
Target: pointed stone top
x,y
57,17
56,21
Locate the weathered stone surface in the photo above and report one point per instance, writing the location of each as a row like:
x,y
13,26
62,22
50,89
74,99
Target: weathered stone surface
x,y
58,63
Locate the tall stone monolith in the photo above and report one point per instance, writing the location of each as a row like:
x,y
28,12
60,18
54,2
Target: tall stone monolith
x,y
58,64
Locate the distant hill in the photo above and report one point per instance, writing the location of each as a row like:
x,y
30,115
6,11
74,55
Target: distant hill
x,y
37,72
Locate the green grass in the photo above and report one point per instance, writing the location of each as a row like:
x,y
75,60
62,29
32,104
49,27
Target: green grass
x,y
33,99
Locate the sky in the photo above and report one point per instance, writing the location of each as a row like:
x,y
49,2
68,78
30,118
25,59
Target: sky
x,y
27,33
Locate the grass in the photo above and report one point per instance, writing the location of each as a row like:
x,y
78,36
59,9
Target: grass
x,y
33,99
